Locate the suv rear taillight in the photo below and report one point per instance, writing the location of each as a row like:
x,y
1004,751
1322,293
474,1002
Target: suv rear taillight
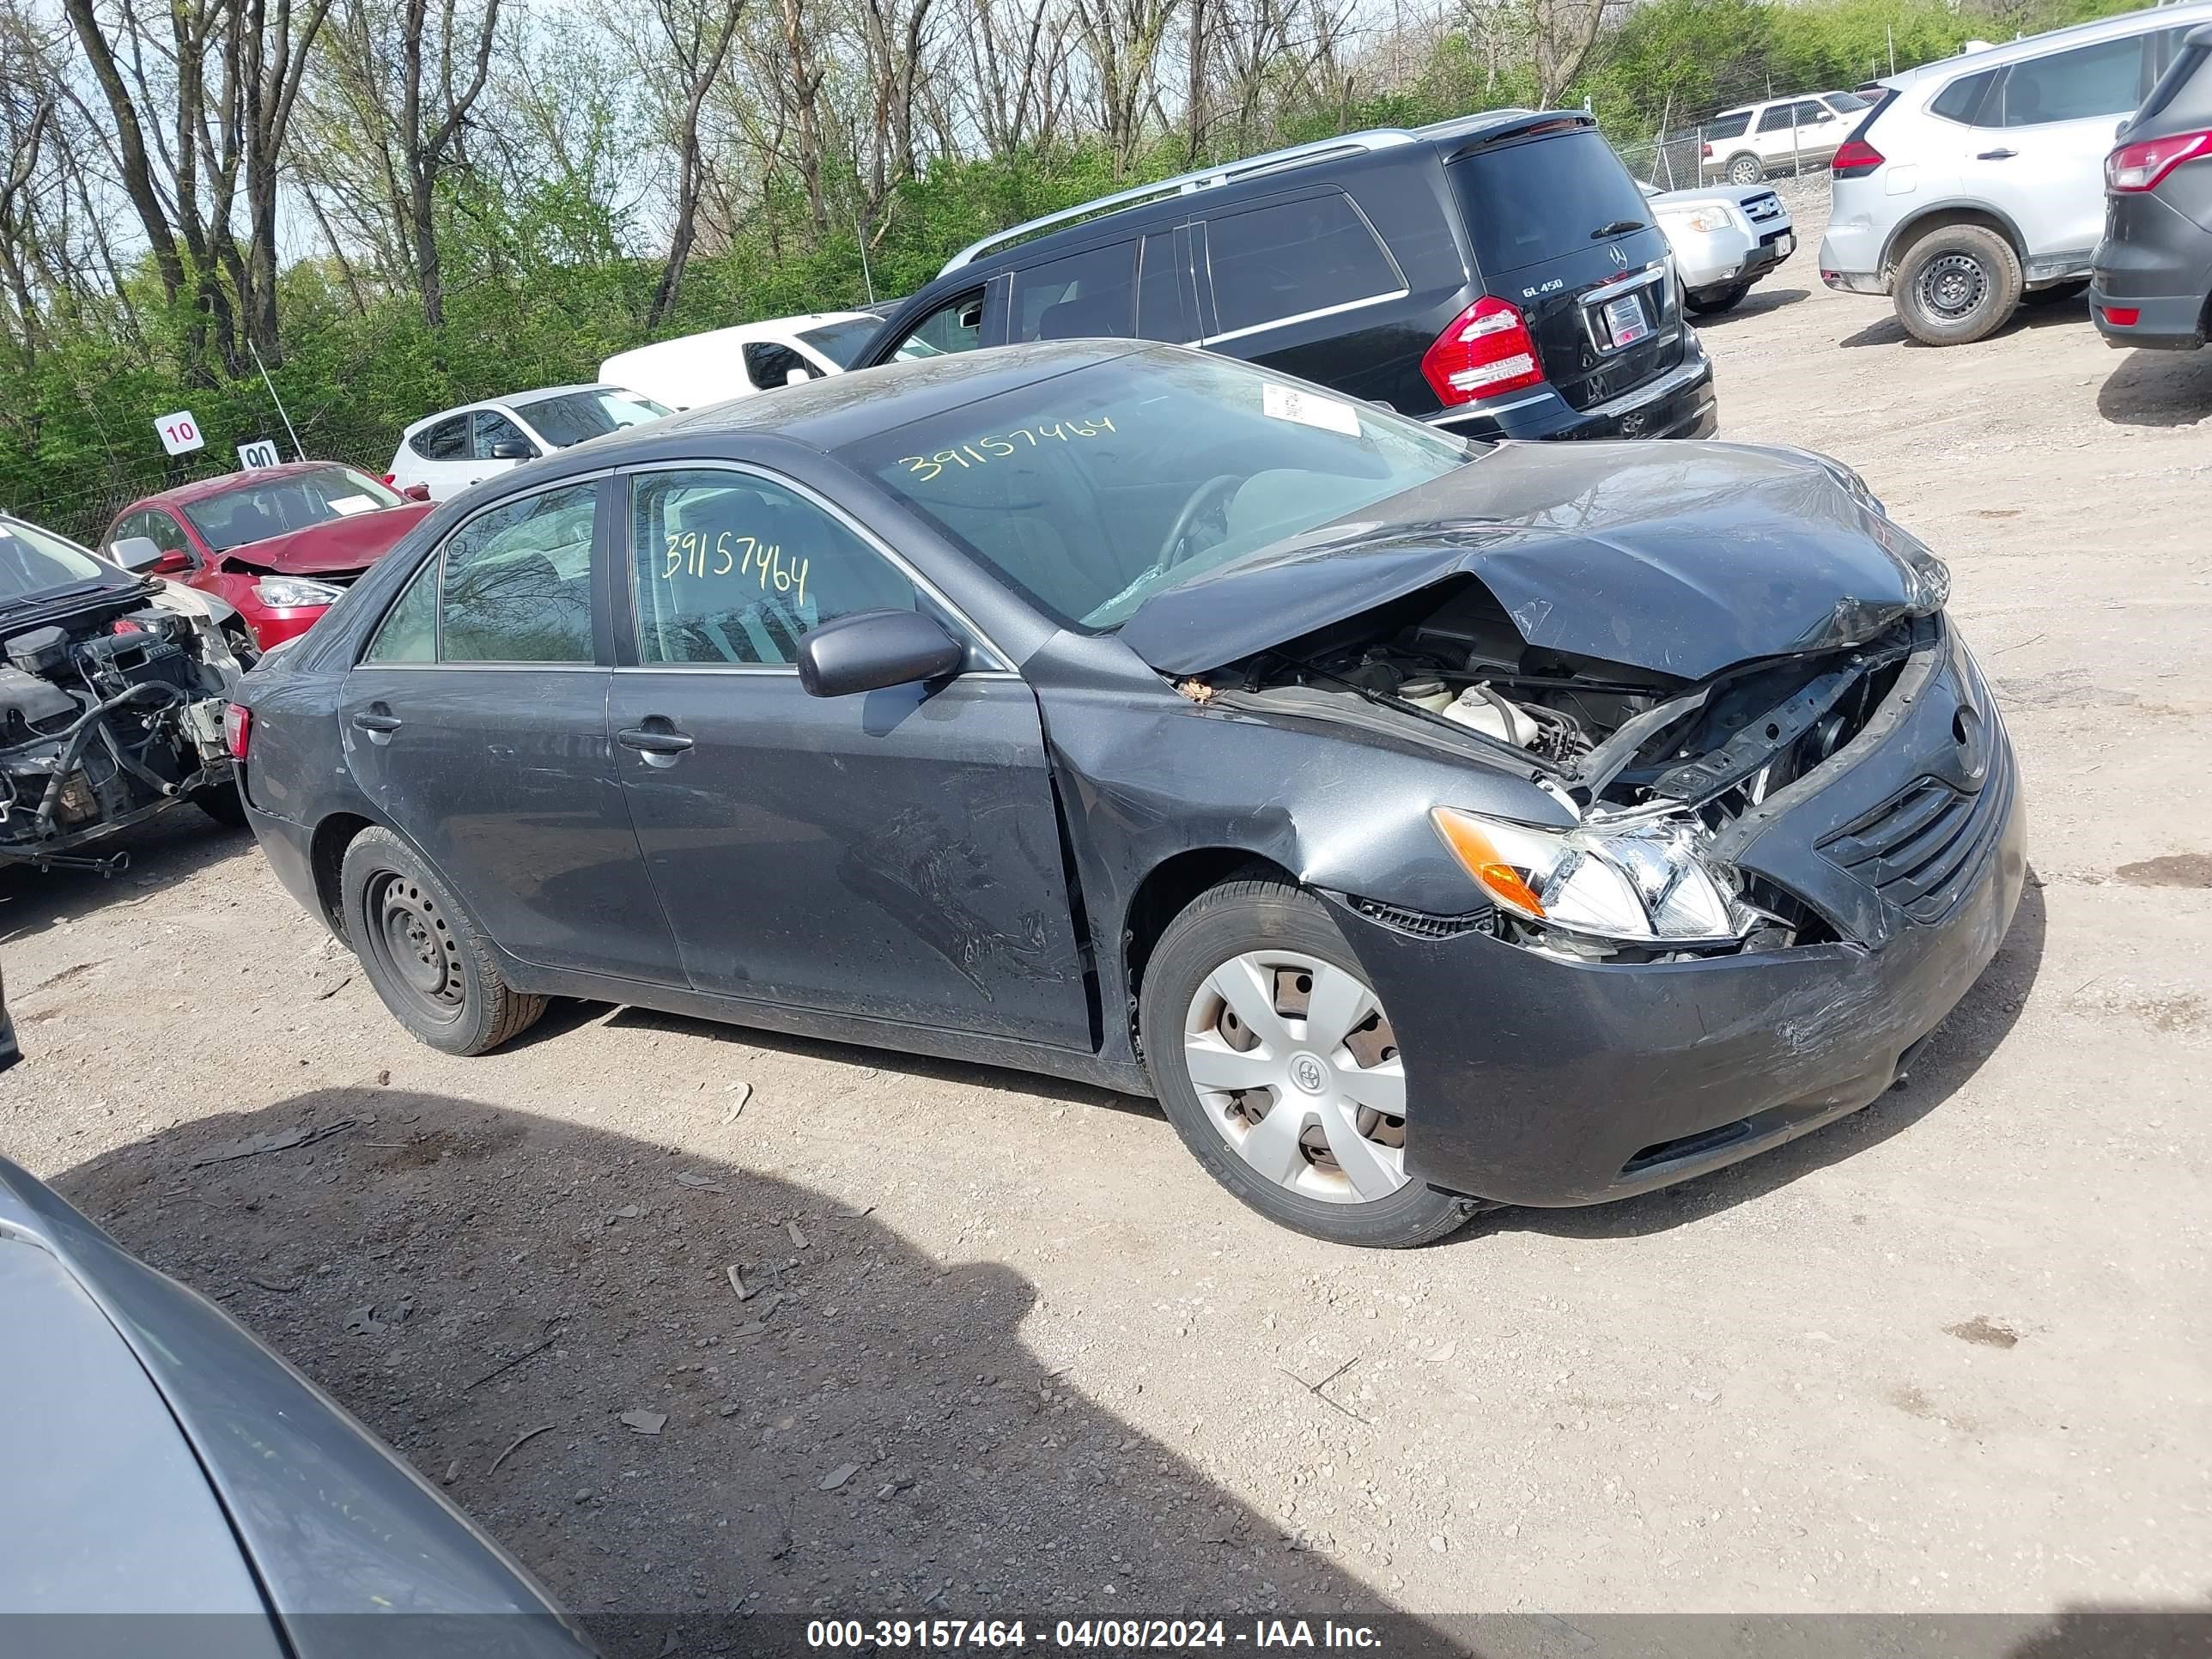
x,y
1704,152
1855,159
237,729
2144,165
1485,352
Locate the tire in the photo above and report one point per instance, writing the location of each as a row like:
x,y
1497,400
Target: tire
x,y
1744,169
1714,301
1252,939
2057,293
1956,285
433,969
223,803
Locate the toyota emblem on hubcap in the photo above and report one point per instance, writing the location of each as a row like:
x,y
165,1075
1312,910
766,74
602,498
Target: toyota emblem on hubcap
x,y
1308,1073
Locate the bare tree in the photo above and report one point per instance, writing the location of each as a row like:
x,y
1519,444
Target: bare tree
x,y
1121,40
698,35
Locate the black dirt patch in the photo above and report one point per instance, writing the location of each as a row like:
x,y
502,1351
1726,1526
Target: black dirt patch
x,y
1983,1331
2169,869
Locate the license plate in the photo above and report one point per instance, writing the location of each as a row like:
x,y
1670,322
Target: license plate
x,y
1625,322
1788,243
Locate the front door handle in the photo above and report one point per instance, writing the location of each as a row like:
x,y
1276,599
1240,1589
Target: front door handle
x,y
1997,155
378,721
657,740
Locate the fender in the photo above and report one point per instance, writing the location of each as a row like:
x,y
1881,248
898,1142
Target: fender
x,y
1903,234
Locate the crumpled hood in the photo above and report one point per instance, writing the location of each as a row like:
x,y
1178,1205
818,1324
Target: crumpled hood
x,y
1680,557
346,544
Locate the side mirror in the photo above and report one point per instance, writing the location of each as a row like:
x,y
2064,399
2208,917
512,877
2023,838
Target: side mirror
x,y
1825,115
143,556
872,649
416,493
797,375
514,449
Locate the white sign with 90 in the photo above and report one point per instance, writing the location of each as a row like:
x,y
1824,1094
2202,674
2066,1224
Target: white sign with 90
x,y
259,454
180,432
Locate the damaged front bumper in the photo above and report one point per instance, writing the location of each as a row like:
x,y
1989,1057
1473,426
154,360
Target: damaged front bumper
x,y
1537,1079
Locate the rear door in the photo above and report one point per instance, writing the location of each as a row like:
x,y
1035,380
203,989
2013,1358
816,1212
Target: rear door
x,y
2036,149
476,721
1560,230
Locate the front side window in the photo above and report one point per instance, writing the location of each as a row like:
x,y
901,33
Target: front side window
x,y
768,363
279,505
2089,81
574,417
517,581
494,428
1294,257
1777,118
1091,293
443,440
1730,126
956,325
165,532
731,570
1094,490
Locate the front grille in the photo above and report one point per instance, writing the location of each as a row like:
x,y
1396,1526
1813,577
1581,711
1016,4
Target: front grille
x,y
1762,207
1922,849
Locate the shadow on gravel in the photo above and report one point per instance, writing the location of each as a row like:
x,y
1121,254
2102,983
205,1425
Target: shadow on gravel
x,y
1759,302
1955,1051
865,1434
2071,312
2158,388
164,851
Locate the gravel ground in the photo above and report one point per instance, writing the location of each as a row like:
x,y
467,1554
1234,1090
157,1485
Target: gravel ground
x,y
1005,1347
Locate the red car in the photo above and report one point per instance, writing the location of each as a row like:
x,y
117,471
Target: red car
x,y
279,543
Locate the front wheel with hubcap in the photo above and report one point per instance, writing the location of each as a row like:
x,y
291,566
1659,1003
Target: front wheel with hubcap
x,y
1279,1067
436,972
1957,284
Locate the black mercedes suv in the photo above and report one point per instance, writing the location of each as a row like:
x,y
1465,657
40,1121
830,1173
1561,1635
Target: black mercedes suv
x,y
1499,275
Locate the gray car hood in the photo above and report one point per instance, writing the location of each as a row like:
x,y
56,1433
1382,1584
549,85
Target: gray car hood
x,y
1681,557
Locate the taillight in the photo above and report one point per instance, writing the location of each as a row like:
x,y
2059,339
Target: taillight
x,y
1704,152
1855,159
2144,165
237,729
1486,351
390,479
2124,316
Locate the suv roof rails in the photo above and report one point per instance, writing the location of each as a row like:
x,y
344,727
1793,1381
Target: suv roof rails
x,y
1184,184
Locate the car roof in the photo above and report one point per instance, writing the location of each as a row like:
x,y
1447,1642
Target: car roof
x,y
837,409
2034,45
222,484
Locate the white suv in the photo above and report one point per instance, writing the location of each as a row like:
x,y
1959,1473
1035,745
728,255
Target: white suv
x,y
1981,181
1782,135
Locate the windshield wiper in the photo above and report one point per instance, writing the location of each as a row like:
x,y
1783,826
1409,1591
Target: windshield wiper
x,y
1618,228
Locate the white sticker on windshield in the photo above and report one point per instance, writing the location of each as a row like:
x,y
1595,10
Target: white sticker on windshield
x,y
352,504
1283,403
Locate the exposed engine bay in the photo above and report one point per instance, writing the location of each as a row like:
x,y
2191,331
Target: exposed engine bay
x,y
1654,767
111,710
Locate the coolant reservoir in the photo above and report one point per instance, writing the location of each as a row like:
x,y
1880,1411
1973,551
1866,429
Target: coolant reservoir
x,y
1432,694
1481,709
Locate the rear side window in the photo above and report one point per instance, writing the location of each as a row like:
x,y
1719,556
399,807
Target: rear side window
x,y
1730,126
443,440
1087,294
408,632
1961,101
1543,199
518,584
1292,259
2105,79
1844,103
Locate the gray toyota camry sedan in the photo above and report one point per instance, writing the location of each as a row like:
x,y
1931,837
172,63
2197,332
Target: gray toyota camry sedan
x,y
1424,823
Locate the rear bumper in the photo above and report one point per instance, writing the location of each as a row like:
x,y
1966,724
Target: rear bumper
x,y
289,848
1850,254
2157,262
1538,1080
1679,403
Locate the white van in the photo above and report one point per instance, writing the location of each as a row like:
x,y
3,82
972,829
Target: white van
x,y
736,363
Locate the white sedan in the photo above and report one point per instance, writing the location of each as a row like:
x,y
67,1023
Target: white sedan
x,y
1724,238
447,452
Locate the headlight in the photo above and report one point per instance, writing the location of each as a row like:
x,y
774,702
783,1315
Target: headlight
x,y
1709,218
285,592
1641,883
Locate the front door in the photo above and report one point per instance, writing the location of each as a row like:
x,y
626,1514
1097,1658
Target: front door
x,y
476,722
895,854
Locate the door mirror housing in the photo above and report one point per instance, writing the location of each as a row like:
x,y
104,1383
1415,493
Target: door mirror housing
x,y
797,376
141,556
514,449
872,649
416,492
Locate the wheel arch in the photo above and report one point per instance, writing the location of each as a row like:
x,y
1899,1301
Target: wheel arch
x,y
1169,889
1938,216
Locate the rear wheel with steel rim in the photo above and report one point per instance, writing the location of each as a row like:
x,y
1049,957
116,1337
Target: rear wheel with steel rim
x,y
434,970
1278,1065
1745,170
1957,284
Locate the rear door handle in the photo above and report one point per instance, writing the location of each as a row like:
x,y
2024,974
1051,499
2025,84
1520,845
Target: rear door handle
x,y
378,721
1997,155
657,740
